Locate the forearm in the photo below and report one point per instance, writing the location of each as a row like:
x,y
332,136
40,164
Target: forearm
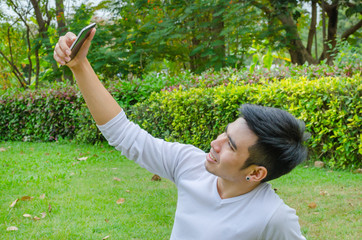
x,y
100,102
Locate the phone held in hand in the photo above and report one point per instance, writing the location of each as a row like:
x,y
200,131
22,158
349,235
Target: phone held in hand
x,y
82,36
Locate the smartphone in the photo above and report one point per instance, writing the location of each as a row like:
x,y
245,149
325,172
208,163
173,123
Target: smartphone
x,y
82,36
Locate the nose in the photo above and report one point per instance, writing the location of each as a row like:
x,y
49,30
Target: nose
x,y
218,142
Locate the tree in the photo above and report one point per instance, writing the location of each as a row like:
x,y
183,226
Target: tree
x,y
36,38
287,13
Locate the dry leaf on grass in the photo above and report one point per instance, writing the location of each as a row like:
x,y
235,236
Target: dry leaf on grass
x,y
323,193
12,228
82,158
13,203
43,214
105,237
121,200
50,208
2,149
312,205
42,196
116,179
36,218
26,198
156,178
318,164
27,215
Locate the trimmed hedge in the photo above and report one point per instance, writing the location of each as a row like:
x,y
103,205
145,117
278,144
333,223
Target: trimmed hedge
x,y
331,108
45,115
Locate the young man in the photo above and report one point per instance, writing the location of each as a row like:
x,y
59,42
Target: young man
x,y
222,194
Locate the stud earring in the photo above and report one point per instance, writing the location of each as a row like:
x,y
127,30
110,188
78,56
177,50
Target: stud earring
x,y
248,178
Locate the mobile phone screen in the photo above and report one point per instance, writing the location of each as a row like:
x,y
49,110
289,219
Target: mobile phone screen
x,y
82,36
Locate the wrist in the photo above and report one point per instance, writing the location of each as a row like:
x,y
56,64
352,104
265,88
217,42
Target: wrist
x,y
78,65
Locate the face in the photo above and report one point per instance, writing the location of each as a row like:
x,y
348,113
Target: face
x,y
229,151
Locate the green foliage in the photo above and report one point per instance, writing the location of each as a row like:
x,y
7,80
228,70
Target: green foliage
x,y
331,108
45,115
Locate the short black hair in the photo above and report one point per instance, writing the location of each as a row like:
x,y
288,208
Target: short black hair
x,y
280,145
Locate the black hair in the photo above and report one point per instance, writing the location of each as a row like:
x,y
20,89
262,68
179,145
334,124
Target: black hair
x,y
280,145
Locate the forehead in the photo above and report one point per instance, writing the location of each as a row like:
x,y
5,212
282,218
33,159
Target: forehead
x,y
240,132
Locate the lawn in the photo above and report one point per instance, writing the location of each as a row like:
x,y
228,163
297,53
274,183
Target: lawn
x,y
74,191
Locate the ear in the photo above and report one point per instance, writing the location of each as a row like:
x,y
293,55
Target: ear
x,y
257,173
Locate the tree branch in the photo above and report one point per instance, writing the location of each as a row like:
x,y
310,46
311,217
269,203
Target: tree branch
x,y
15,70
351,30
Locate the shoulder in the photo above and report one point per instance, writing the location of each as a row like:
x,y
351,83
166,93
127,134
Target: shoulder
x,y
283,224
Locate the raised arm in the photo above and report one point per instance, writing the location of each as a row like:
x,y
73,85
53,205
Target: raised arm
x,y
101,104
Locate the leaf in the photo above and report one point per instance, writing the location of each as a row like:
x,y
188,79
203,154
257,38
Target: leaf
x,y
116,179
42,196
318,164
121,201
312,205
2,149
36,218
50,208
323,193
12,229
27,215
43,214
105,237
156,178
82,158
26,198
13,203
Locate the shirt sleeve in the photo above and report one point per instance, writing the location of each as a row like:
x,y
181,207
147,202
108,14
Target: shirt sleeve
x,y
283,225
156,155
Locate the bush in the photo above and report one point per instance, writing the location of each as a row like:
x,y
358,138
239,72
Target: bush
x,y
331,108
45,115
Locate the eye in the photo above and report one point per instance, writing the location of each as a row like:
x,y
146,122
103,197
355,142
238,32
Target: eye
x,y
231,146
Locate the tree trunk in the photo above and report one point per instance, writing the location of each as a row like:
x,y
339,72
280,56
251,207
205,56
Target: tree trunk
x,y
219,49
312,28
330,43
195,59
62,30
298,53
332,13
43,28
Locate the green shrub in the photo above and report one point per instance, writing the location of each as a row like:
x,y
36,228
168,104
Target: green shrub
x,y
45,115
331,108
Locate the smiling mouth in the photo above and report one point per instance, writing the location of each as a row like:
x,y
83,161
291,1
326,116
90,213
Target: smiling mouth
x,y
211,157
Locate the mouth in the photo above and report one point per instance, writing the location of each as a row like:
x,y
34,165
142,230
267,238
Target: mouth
x,y
211,158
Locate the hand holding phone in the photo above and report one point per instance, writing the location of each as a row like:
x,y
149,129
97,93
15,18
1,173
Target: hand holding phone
x,y
82,36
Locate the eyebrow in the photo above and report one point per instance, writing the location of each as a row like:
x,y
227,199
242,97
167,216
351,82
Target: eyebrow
x,y
231,141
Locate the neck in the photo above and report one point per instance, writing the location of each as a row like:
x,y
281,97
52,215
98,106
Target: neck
x,y
229,189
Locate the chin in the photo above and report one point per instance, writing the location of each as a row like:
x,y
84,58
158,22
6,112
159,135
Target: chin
x,y
208,168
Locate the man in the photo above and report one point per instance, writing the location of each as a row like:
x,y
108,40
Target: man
x,y
222,194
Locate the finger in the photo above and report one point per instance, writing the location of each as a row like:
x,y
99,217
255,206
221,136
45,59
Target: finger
x,y
60,53
66,41
64,49
58,59
70,38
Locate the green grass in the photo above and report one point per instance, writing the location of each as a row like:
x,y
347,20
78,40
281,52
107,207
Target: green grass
x,y
83,195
